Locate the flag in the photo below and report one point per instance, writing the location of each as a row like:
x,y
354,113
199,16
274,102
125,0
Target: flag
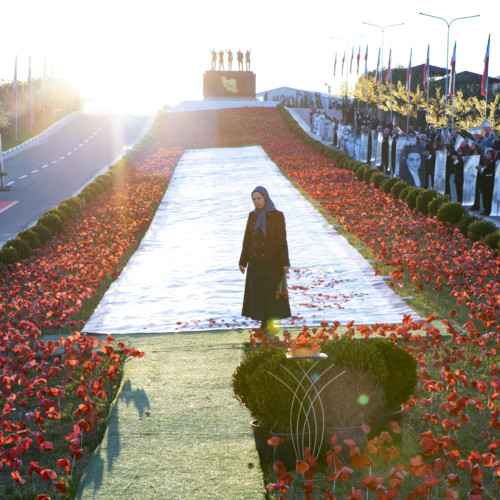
x,y
352,57
459,142
476,132
366,63
357,60
389,72
343,60
484,81
377,76
472,145
426,70
485,126
335,64
445,135
14,84
452,71
408,75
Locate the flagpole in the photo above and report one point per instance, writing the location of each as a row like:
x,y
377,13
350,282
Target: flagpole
x,y
15,92
453,107
408,115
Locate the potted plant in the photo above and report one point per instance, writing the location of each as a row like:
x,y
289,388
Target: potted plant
x,y
305,345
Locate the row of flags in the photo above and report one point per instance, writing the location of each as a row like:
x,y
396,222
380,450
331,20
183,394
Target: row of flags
x,y
484,81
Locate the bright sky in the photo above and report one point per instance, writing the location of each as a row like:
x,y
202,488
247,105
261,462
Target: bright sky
x,y
137,55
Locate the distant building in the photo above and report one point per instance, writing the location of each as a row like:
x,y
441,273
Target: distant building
x,y
296,98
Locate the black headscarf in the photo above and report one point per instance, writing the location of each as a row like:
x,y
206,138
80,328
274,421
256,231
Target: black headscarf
x,y
261,214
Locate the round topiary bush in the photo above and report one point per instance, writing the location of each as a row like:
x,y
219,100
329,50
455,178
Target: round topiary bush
x,y
43,232
412,195
377,178
480,228
493,240
263,394
67,212
57,211
423,200
369,172
397,360
22,248
464,223
8,255
388,183
404,193
30,237
437,202
452,212
360,172
74,203
397,187
52,221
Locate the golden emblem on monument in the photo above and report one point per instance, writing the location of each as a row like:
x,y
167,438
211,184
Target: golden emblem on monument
x,y
229,84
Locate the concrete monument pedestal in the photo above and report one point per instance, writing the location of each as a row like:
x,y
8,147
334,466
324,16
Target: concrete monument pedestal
x,y
229,85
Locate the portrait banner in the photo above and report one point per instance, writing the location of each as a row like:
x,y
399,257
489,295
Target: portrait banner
x,y
411,165
470,178
440,171
364,147
340,137
374,147
378,154
495,202
400,144
390,156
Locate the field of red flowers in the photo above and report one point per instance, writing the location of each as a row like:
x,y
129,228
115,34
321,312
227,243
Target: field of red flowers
x,y
53,387
66,386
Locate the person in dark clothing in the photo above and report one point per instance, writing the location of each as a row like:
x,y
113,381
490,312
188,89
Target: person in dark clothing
x,y
487,180
265,251
385,165
458,163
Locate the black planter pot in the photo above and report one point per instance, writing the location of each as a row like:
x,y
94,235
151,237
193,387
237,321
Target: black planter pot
x,y
286,451
261,434
355,433
382,423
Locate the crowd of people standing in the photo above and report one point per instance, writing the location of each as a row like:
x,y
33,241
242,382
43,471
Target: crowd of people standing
x,y
417,162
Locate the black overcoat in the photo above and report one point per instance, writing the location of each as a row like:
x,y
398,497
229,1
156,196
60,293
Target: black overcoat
x,y
265,256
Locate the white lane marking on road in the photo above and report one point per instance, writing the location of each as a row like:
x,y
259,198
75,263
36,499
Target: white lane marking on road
x,y
86,140
75,149
23,177
35,171
80,145
61,157
44,166
55,161
69,153
10,183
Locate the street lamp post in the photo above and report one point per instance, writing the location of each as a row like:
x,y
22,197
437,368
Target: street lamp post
x,y
382,56
448,24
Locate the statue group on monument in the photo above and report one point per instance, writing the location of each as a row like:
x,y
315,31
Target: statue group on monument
x,y
219,56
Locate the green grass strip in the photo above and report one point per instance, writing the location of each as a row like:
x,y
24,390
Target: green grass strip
x,y
196,441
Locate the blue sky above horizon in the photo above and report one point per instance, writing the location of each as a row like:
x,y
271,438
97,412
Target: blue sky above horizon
x,y
131,56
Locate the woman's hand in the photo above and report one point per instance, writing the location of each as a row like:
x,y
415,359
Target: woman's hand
x,y
242,270
286,268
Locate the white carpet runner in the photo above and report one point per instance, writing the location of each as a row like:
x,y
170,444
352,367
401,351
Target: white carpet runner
x,y
185,277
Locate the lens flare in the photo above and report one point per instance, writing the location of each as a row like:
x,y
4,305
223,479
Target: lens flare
x,y
363,399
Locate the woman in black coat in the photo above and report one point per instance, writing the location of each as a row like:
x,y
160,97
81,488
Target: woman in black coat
x,y
265,251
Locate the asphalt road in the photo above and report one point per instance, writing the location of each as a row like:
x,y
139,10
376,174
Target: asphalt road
x,y
59,165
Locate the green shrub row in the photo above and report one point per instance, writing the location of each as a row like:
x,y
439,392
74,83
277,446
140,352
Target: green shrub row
x,y
52,221
426,201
